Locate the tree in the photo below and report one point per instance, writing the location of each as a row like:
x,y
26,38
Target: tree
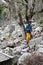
x,y
24,8
14,5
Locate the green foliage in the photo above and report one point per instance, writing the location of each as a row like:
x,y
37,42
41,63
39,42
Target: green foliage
x,y
3,12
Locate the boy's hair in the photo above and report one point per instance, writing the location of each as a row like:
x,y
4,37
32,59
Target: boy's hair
x,y
29,22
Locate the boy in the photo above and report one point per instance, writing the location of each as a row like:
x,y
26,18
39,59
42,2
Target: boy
x,y
28,31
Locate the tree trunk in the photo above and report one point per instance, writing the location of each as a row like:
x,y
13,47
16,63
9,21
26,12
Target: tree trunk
x,y
20,18
27,18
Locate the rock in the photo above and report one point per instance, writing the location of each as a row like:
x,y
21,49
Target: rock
x,y
8,51
18,49
41,42
3,44
34,24
6,29
14,33
40,50
35,41
33,59
23,42
17,44
15,59
41,33
40,46
10,43
25,50
9,28
12,28
2,2
38,29
37,34
16,41
38,5
2,38
3,57
24,59
5,35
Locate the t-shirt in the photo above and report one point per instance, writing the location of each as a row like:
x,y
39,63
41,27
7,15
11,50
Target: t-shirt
x,y
28,28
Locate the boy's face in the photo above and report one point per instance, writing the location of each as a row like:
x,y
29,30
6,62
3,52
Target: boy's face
x,y
29,23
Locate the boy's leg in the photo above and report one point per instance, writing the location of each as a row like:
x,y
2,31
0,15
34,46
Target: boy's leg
x,y
28,44
28,37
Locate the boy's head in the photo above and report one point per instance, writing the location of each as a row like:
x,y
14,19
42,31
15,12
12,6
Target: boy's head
x,y
29,22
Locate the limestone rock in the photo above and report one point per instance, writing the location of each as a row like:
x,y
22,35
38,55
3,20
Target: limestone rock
x,y
38,29
41,42
24,59
3,57
40,50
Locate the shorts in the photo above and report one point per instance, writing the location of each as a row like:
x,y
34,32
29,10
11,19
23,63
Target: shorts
x,y
28,37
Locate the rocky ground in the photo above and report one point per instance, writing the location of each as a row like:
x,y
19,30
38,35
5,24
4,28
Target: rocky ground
x,y
13,45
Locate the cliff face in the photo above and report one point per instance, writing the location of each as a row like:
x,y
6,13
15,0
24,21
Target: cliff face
x,y
35,5
38,10
12,37
38,5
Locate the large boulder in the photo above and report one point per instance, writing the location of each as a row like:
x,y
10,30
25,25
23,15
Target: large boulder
x,y
3,57
23,60
31,59
18,49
